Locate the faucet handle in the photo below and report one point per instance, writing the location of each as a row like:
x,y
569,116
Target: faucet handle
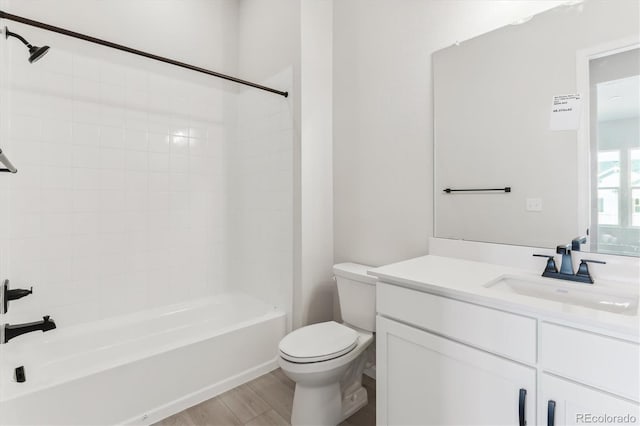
x,y
583,269
9,295
551,263
592,261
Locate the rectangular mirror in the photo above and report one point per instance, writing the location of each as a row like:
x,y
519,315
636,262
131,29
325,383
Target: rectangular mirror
x,y
549,109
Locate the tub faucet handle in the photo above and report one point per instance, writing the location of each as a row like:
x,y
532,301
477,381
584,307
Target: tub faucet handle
x,y
8,295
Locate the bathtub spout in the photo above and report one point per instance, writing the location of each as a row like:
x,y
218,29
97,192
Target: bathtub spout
x,y
11,331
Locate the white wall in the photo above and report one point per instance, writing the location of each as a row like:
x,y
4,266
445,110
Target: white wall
x,y
317,290
269,52
289,34
260,197
383,127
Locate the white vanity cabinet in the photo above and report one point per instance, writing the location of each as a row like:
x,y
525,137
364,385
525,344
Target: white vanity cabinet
x,y
444,361
563,402
425,379
587,377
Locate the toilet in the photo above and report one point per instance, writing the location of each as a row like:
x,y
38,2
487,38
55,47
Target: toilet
x,y
326,360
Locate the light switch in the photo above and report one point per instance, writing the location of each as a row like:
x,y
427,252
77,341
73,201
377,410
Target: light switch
x,y
534,204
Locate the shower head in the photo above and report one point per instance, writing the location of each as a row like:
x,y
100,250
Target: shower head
x,y
35,52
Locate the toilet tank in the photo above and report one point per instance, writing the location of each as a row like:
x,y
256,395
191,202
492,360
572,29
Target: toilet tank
x,y
357,294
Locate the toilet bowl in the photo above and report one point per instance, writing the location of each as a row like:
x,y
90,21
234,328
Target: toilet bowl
x,y
326,360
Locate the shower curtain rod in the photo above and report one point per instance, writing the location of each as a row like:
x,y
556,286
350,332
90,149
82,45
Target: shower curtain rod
x,y
106,43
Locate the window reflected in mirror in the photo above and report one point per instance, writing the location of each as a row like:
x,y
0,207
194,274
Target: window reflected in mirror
x,y
634,178
615,149
608,187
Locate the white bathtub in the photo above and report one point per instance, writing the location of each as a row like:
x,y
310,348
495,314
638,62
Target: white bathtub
x,y
139,368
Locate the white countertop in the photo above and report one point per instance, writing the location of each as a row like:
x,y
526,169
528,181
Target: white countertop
x,y
466,280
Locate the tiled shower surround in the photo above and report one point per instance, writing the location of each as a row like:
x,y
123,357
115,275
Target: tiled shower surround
x,y
139,185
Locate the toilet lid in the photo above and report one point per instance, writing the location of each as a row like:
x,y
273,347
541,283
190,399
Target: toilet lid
x,y
318,342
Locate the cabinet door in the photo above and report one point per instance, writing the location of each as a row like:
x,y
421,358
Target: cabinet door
x,y
424,379
567,403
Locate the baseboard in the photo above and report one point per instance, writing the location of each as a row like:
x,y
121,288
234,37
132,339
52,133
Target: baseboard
x,y
153,416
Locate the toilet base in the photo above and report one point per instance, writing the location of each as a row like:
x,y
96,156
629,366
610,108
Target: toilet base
x,y
321,406
317,405
353,402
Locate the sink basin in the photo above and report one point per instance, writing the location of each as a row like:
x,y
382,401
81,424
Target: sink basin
x,y
602,299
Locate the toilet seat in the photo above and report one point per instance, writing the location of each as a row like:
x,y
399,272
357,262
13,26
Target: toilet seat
x,y
318,342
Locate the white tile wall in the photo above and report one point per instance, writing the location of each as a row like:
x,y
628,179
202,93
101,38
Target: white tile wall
x,y
121,199
261,195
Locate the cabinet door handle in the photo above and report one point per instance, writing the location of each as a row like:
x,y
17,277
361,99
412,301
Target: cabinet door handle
x,y
521,413
551,413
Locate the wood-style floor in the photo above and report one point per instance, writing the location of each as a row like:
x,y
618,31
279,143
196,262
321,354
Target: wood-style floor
x,y
265,401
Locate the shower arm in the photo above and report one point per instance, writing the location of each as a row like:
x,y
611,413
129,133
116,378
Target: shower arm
x,y
18,36
90,39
